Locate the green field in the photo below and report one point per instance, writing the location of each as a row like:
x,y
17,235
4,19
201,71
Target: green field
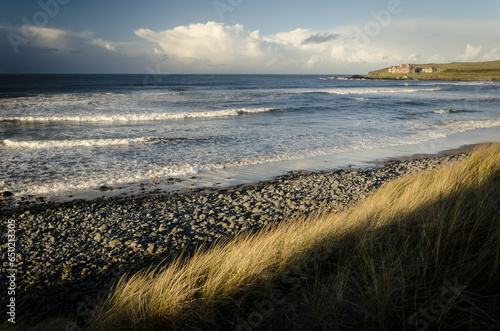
x,y
489,71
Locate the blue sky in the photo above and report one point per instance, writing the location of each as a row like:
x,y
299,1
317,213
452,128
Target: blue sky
x,y
242,36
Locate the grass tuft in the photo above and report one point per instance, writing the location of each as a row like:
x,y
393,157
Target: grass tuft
x,y
421,252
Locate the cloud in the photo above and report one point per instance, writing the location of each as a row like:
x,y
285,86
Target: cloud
x,y
103,43
214,47
492,55
214,41
471,53
42,49
43,37
476,54
413,58
319,38
217,47
436,58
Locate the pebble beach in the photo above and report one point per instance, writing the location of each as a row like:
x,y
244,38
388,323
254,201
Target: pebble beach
x,y
69,254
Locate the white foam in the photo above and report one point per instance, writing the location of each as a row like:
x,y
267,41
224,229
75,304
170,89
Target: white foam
x,y
333,78
45,144
92,181
445,111
458,126
118,175
165,116
348,91
52,166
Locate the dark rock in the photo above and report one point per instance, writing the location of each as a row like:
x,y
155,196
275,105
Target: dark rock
x,y
7,194
103,188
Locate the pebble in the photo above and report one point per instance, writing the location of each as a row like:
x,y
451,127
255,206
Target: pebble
x,y
105,238
113,243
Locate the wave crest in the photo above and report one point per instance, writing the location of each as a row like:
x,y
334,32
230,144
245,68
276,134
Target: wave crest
x,y
44,144
376,91
136,117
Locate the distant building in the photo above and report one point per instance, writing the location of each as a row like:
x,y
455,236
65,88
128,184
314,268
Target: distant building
x,y
410,69
429,70
404,69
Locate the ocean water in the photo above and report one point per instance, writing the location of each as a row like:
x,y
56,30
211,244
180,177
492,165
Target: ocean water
x,y
61,133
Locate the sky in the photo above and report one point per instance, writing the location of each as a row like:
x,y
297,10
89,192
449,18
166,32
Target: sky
x,y
242,36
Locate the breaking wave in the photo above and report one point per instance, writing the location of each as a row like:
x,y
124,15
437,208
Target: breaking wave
x,y
376,91
136,117
45,144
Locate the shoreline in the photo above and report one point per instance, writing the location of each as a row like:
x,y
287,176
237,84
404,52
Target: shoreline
x,y
77,249
248,175
126,192
42,202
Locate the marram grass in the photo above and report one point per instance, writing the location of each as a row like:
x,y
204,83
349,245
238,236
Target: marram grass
x,y
422,252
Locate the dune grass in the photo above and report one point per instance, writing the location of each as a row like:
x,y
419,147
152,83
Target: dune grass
x,y
421,252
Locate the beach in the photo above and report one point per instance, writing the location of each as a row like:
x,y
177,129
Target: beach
x,y
70,253
102,175
244,165
64,136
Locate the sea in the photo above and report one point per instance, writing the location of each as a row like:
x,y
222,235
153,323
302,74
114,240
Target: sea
x,y
61,135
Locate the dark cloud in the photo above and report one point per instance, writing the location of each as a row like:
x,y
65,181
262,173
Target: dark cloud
x,y
49,50
319,38
59,51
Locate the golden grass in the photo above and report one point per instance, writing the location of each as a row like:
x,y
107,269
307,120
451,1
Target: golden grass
x,y
423,251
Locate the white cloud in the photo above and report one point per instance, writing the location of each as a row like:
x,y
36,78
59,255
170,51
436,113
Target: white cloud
x,y
436,58
216,47
492,55
213,43
413,58
219,48
471,53
103,43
